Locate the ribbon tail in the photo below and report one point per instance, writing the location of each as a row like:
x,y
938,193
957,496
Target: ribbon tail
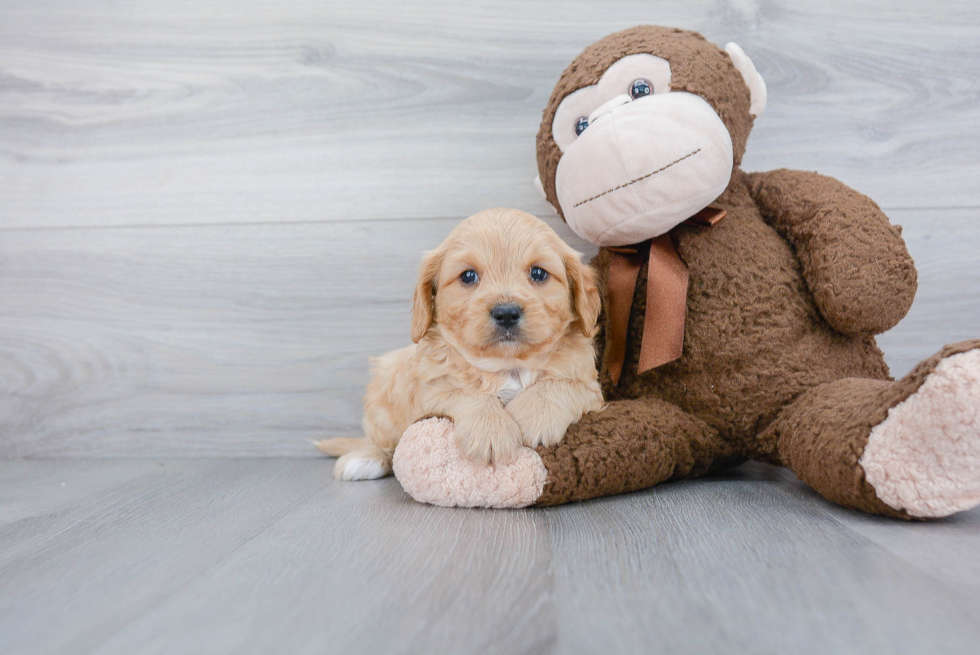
x,y
666,307
624,269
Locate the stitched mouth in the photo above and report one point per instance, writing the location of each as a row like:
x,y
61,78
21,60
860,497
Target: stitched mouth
x,y
639,179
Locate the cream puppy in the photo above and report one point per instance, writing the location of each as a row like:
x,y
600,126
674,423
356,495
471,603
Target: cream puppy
x,y
502,321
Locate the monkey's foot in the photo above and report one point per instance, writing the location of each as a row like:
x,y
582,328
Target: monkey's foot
x,y
431,469
924,458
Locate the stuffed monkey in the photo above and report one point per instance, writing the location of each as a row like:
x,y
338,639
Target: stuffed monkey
x,y
739,308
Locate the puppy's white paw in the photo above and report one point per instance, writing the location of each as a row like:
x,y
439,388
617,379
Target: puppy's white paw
x,y
361,466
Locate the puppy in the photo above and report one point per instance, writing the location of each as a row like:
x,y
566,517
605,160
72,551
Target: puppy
x,y
502,320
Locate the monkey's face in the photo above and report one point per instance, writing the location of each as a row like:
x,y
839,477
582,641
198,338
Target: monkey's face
x,y
636,157
638,150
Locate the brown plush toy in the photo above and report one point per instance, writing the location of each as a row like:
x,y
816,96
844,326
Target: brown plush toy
x,y
740,308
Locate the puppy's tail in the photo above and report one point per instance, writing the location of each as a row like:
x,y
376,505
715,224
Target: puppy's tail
x,y
340,445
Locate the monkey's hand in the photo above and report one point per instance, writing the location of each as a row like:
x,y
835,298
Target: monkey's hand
x,y
854,261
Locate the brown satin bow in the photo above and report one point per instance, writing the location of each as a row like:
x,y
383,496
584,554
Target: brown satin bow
x,y
666,305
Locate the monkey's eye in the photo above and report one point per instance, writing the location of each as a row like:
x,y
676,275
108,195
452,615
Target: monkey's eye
x,y
469,277
581,124
640,88
539,274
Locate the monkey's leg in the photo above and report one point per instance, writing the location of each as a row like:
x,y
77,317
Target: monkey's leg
x,y
909,448
630,445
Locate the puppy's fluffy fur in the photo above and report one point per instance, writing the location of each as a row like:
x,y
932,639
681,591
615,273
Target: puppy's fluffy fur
x,y
503,382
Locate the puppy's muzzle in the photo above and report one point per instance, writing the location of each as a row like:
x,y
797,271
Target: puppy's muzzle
x,y
506,315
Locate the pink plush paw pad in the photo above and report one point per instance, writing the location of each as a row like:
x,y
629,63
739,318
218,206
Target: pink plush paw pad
x,y
925,457
432,470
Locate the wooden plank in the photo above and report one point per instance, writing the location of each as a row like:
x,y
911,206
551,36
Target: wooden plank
x,y
250,340
249,556
46,497
362,568
745,564
67,588
271,555
240,112
947,549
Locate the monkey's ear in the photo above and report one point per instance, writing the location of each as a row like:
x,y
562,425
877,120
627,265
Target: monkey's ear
x,y
585,294
757,86
425,294
540,187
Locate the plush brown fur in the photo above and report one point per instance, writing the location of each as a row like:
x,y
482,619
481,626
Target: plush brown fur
x,y
780,362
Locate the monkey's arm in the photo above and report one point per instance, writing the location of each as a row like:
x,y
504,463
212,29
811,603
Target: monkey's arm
x,y
854,261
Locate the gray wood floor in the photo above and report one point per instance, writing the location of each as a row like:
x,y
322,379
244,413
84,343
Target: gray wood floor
x,y
272,556
210,216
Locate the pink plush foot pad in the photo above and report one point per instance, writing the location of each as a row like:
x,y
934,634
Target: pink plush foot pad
x,y
925,457
431,469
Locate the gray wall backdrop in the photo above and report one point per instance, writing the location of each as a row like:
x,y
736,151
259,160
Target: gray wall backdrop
x,y
211,213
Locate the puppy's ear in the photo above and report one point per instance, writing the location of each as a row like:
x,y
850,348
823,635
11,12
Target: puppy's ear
x,y
586,300
425,294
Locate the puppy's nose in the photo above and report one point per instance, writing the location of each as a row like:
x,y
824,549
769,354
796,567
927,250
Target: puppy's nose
x,y
507,315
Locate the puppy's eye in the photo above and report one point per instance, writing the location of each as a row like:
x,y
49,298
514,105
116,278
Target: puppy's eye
x,y
581,124
539,274
640,88
469,277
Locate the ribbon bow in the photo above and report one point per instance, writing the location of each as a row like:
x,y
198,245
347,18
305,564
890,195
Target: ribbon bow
x,y
666,306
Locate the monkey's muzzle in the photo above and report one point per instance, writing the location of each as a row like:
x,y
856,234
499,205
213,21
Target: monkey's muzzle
x,y
643,167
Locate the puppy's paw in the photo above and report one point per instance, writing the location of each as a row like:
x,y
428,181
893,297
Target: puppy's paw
x,y
493,437
362,465
539,422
